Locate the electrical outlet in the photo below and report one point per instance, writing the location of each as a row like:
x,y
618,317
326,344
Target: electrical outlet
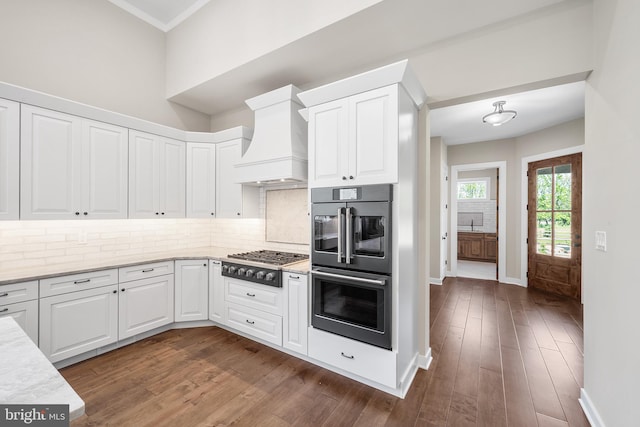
x,y
601,241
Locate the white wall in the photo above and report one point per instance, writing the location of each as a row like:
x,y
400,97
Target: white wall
x,y
91,52
225,34
611,290
570,134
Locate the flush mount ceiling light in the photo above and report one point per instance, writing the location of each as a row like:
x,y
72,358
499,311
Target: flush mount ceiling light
x,y
499,115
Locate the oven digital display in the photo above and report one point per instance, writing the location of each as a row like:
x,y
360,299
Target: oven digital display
x,y
348,194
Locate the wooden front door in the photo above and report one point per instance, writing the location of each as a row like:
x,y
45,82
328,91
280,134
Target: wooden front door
x,y
555,224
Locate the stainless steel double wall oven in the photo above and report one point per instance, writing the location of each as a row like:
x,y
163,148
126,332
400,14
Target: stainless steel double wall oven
x,y
351,262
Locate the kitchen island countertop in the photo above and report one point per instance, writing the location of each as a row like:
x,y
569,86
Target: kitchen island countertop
x,y
27,376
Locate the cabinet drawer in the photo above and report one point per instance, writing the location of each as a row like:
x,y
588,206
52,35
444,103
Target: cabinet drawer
x,y
77,282
261,297
26,315
143,271
367,361
262,325
18,292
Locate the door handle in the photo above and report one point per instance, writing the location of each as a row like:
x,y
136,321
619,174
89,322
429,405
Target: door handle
x,y
340,234
349,237
352,278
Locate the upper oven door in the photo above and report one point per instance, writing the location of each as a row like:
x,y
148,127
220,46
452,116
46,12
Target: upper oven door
x,y
328,238
368,236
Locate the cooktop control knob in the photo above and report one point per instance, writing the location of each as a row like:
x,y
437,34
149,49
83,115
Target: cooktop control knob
x,y
260,275
225,268
270,277
232,269
241,271
249,273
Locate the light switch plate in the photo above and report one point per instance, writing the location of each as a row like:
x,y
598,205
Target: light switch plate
x,y
601,241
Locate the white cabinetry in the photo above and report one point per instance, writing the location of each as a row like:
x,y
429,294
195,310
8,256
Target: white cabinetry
x,y
78,313
71,167
201,180
233,200
216,292
354,140
296,312
20,301
9,159
145,304
156,176
191,290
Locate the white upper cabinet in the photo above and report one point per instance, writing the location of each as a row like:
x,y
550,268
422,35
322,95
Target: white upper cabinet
x,y
9,159
201,180
233,200
71,167
156,176
354,140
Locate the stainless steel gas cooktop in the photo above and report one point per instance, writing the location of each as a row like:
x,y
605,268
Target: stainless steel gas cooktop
x,y
260,266
270,257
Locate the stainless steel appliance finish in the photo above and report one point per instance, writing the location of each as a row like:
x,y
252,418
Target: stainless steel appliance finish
x,y
352,304
351,228
260,266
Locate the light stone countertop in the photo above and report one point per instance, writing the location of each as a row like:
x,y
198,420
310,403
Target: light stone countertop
x,y
84,266
27,376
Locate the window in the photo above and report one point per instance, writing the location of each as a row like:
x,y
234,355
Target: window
x,y
473,189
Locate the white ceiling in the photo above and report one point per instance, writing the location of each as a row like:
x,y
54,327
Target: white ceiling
x,y
162,14
537,109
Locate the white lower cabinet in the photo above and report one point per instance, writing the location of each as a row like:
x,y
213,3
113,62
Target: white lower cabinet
x,y
145,304
191,290
77,322
296,312
216,292
370,362
25,314
254,322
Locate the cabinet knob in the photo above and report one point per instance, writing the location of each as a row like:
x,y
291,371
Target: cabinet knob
x,y
162,213
350,176
115,292
86,213
344,178
157,213
212,213
77,213
238,213
122,289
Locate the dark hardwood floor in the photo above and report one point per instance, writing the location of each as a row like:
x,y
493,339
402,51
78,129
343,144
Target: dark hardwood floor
x,y
503,356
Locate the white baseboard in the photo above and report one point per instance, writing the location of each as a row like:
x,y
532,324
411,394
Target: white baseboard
x,y
590,410
425,361
434,281
514,281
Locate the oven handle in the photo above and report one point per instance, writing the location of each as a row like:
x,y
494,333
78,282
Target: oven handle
x,y
349,237
352,278
340,234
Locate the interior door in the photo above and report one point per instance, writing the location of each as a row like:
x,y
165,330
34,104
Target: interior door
x,y
444,215
555,223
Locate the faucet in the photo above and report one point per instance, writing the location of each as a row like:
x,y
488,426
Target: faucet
x,y
471,224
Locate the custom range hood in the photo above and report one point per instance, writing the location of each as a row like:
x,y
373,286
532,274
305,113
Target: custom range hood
x,y
278,150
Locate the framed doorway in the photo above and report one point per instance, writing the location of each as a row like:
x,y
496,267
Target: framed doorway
x,y
501,217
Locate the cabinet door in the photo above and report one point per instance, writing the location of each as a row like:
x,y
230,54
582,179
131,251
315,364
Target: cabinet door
x,y
143,175
228,193
50,156
25,314
328,148
78,322
216,293
9,159
373,137
296,314
145,304
191,290
201,180
172,178
104,170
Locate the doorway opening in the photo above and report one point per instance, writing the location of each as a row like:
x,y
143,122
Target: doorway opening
x,y
477,232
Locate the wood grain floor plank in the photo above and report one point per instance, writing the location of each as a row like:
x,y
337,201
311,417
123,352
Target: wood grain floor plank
x,y
518,400
492,411
546,421
466,381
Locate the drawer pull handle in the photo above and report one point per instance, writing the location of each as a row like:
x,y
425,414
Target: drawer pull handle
x,y
77,282
3,310
148,270
251,295
347,356
6,294
251,322
294,277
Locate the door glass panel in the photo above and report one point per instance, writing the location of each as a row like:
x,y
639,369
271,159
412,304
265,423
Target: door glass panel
x,y
350,304
543,234
563,187
544,178
368,235
325,233
562,234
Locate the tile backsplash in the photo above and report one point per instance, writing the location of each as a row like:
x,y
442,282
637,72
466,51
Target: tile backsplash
x,y
36,243
488,211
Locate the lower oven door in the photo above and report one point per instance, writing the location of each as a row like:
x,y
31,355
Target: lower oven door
x,y
352,304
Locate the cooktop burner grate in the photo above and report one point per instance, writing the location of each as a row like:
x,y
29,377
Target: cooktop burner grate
x,y
270,257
